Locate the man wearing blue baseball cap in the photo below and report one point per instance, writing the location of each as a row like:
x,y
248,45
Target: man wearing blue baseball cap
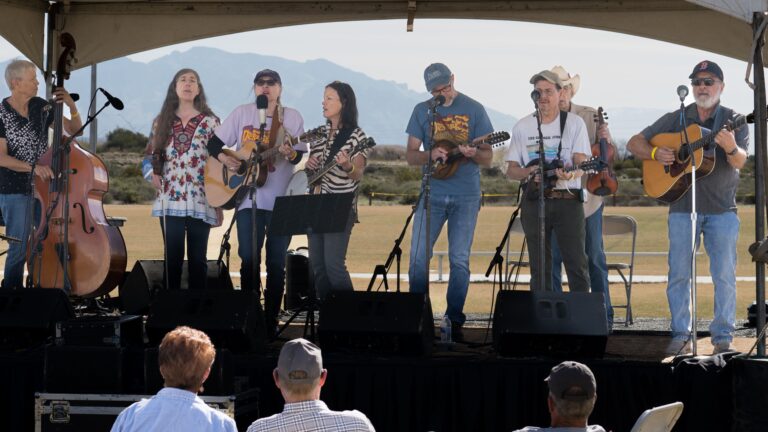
x,y
461,122
716,217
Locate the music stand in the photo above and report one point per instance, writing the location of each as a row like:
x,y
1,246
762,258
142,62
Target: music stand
x,y
309,214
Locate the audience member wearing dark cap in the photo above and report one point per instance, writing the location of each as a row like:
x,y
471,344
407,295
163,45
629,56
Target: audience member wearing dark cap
x,y
717,221
300,375
572,396
185,357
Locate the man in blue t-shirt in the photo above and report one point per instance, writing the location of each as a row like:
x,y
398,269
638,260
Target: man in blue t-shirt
x,y
458,121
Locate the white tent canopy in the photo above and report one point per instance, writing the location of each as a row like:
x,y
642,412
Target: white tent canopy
x,y
107,29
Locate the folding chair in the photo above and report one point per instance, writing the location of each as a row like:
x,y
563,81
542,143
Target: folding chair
x,y
622,225
659,419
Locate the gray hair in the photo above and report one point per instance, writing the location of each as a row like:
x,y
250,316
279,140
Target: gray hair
x,y
573,409
300,389
16,69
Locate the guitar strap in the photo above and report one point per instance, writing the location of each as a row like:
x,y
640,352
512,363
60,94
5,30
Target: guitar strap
x,y
563,118
338,142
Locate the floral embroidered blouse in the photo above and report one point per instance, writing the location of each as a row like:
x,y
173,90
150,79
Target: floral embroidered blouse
x,y
183,191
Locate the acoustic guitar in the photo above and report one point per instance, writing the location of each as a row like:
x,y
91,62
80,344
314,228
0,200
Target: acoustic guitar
x,y
223,187
671,183
447,168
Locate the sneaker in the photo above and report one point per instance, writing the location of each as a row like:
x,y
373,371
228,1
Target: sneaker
x,y
679,345
721,347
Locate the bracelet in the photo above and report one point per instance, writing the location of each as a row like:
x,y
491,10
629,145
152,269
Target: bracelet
x,y
74,116
653,153
293,155
352,170
733,152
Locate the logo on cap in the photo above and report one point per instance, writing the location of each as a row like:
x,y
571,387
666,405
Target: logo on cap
x,y
703,65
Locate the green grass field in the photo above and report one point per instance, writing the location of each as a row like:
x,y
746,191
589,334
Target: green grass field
x,y
374,237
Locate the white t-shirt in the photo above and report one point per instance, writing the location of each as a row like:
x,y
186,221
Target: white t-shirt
x,y
524,145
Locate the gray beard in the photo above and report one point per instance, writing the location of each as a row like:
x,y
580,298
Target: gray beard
x,y
707,102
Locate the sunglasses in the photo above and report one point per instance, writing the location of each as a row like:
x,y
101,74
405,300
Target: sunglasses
x,y
709,82
268,83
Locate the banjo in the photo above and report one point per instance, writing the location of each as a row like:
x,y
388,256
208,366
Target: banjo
x,y
302,180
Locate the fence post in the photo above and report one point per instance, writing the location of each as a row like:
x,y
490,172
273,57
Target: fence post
x,y
482,198
370,198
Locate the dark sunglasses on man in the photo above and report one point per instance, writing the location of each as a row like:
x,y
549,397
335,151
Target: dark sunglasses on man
x,y
709,82
268,83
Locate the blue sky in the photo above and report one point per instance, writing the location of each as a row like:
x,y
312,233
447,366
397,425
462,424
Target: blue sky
x,y
492,60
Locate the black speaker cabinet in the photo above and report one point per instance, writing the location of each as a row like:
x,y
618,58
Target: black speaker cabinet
x,y
146,279
28,316
232,318
379,322
534,323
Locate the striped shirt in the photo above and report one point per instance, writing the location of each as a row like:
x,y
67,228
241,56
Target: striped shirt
x,y
313,416
337,180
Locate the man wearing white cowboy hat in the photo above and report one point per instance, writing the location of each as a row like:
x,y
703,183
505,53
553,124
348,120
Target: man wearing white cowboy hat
x,y
593,204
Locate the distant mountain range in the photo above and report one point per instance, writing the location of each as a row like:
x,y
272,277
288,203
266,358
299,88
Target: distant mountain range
x,y
384,106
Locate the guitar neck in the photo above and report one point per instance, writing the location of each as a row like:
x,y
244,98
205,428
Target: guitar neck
x,y
705,141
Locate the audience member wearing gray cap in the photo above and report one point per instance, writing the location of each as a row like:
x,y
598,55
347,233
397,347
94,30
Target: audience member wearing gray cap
x,y
299,375
572,396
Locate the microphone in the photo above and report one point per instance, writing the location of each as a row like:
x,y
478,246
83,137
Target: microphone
x,y
437,101
115,102
682,92
261,104
535,96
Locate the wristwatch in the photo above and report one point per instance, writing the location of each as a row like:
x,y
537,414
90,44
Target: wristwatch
x,y
733,152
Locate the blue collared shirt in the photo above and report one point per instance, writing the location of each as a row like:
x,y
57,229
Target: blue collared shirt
x,y
173,409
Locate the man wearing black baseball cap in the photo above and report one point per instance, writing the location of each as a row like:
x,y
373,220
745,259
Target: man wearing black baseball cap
x,y
716,184
572,396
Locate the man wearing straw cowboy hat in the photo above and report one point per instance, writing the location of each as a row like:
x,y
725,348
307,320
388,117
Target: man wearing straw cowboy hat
x,y
593,204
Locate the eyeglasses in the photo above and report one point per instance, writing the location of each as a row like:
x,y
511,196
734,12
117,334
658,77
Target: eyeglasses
x,y
268,83
709,82
441,89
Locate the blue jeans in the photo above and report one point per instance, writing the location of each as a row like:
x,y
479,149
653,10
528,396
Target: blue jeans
x,y
15,208
598,267
720,232
276,250
176,230
461,213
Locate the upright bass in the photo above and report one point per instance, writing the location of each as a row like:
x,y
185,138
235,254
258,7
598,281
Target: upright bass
x,y
74,248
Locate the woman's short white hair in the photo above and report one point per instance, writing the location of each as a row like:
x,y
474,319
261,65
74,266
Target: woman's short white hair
x,y
16,69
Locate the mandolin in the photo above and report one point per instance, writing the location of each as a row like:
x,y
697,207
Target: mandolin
x,y
593,164
447,168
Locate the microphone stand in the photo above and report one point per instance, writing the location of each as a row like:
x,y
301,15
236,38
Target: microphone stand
x,y
426,190
542,211
694,220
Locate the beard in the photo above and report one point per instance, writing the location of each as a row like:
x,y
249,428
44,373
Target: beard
x,y
707,101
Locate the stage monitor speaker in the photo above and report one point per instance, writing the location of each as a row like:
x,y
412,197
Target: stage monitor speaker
x,y
232,318
299,279
146,279
28,316
534,323
379,322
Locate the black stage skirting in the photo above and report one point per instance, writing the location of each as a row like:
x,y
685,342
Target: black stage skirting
x,y
455,392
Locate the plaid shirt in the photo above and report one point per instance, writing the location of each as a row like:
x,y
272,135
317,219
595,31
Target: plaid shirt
x,y
313,416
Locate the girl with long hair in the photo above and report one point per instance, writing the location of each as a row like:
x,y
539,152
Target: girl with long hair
x,y
178,151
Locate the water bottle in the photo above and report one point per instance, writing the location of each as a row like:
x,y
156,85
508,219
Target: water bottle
x,y
445,330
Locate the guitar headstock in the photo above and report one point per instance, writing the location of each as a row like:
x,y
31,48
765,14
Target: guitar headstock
x,y
497,138
363,145
593,165
66,59
313,135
